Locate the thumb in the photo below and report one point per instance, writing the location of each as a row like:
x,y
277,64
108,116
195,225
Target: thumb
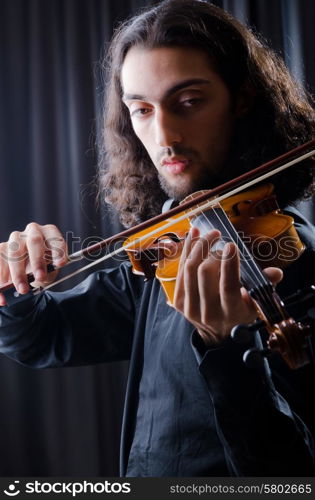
x,y
274,274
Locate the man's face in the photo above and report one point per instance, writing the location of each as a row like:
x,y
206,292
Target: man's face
x,y
181,111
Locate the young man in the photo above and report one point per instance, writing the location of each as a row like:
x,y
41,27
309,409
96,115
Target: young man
x,y
193,99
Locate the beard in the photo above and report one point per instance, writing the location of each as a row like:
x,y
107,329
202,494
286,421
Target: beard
x,y
179,191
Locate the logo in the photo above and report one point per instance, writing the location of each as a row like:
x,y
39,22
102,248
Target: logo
x,y
12,490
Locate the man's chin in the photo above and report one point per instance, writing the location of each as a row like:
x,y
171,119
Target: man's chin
x,y
183,188
178,191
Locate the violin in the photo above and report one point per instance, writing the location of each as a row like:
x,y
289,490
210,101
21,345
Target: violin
x,y
245,214
253,216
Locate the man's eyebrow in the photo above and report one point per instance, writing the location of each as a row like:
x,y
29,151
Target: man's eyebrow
x,y
170,91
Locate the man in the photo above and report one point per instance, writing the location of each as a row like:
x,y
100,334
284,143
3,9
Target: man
x,y
193,99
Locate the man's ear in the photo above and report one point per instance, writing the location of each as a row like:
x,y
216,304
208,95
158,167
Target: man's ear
x,y
245,99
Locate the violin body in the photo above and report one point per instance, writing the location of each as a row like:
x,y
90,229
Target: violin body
x,y
270,234
154,253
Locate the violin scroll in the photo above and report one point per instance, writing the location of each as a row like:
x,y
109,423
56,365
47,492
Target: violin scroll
x,y
290,338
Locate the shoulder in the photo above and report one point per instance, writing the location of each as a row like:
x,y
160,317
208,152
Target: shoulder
x,y
301,273
303,226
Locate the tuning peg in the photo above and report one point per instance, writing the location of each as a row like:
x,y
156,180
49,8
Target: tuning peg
x,y
254,358
242,334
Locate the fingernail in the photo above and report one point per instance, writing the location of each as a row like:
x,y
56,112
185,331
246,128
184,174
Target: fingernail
x,y
228,250
22,288
39,274
60,262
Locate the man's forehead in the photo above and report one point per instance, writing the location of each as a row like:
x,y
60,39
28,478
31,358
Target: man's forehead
x,y
163,71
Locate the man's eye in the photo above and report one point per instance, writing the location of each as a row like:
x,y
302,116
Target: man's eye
x,y
190,102
139,112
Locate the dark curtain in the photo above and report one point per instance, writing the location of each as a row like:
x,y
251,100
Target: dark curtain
x,y
67,421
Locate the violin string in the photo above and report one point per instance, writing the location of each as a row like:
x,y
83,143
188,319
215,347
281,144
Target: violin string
x,y
187,214
242,254
253,272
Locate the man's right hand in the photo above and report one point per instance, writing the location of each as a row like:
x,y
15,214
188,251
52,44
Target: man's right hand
x,y
30,251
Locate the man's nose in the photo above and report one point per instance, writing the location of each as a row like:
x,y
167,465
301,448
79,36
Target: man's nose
x,y
167,129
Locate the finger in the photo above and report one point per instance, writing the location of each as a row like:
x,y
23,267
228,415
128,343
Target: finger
x,y
35,245
2,300
274,274
251,309
209,291
199,270
230,288
192,238
55,245
4,268
179,293
17,260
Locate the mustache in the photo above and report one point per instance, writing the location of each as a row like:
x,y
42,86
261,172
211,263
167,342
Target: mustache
x,y
176,150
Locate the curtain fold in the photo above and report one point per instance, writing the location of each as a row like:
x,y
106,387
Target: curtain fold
x,y
67,422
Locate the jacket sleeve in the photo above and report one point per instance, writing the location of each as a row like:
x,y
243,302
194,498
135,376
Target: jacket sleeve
x,y
90,323
260,432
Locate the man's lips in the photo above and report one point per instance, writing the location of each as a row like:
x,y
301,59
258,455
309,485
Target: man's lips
x,y
175,166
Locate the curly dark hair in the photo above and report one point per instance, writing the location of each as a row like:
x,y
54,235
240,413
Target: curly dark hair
x,y
280,117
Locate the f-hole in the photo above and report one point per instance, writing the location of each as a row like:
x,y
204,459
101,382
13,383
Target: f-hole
x,y
235,208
